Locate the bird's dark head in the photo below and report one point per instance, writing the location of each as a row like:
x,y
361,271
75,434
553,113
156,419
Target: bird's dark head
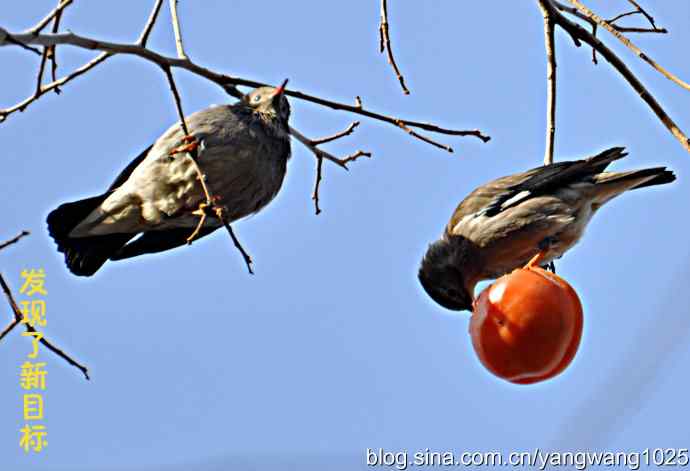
x,y
443,279
270,102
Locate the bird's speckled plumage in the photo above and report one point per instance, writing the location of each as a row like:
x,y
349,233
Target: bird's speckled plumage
x,y
243,150
501,225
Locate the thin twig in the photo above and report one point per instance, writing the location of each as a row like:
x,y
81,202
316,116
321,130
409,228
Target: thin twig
x,y
83,69
29,328
385,45
178,31
611,29
594,51
577,31
228,83
308,143
630,29
46,88
402,125
192,154
622,15
211,203
644,12
178,102
220,214
9,328
574,11
317,184
144,37
41,68
5,37
359,109
14,240
51,52
312,145
550,81
45,21
350,129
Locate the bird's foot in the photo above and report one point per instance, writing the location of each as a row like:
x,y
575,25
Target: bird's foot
x,y
210,208
190,145
203,212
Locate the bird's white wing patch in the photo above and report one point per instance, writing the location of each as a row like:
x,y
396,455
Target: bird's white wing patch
x,y
468,224
515,199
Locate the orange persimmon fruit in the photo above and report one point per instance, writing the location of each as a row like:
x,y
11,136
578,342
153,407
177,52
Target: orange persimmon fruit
x,y
526,326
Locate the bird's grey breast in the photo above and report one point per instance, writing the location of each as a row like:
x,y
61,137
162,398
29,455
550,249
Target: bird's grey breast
x,y
243,162
244,159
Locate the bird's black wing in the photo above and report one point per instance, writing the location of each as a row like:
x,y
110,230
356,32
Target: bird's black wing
x,y
548,178
158,241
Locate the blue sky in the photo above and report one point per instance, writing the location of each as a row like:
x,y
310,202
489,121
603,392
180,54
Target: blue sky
x,y
332,347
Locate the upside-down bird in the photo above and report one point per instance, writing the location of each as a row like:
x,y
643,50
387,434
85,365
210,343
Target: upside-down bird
x,y
503,224
242,148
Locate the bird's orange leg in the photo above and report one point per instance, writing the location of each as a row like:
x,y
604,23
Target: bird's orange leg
x,y
189,144
536,260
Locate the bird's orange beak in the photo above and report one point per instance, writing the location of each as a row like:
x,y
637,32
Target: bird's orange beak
x,y
279,91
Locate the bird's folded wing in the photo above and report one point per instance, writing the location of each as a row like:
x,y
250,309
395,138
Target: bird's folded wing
x,y
158,241
506,192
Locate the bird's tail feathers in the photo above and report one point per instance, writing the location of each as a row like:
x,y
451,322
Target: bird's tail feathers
x,y
83,255
611,184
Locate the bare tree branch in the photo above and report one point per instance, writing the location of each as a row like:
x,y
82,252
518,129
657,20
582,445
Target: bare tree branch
x,y
385,45
144,37
574,11
83,69
551,82
613,30
644,12
220,210
579,33
9,327
178,31
50,53
14,240
622,15
53,14
228,83
317,185
320,153
312,145
210,205
46,88
16,42
41,68
349,130
17,320
631,29
178,101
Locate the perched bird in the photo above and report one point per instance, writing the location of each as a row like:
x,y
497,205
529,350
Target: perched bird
x,y
503,224
242,148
